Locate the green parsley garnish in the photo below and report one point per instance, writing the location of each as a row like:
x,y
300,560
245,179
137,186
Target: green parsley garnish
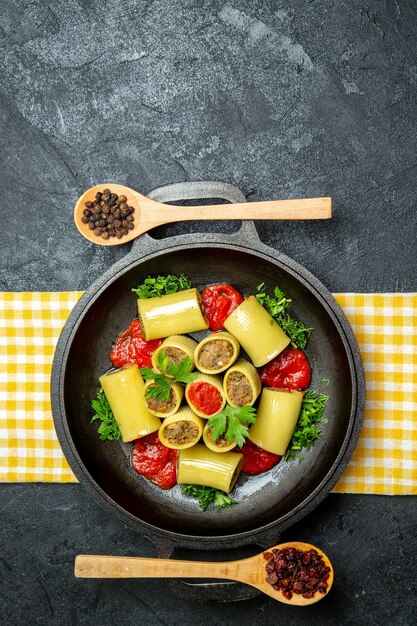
x,y
207,496
108,428
168,375
277,307
306,431
229,422
162,286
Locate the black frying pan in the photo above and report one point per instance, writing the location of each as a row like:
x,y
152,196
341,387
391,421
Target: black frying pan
x,y
269,502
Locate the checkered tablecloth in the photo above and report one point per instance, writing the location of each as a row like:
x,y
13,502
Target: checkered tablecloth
x,y
385,325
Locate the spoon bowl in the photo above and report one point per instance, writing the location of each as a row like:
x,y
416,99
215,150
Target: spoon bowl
x,y
149,213
250,571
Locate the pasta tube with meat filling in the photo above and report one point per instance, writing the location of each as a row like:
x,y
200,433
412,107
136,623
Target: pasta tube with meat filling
x,y
164,408
216,353
200,466
276,419
205,395
173,314
241,384
176,348
124,390
182,430
256,331
220,445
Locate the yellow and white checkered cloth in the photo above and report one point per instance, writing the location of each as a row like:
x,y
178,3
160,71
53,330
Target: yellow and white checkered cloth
x,y
385,325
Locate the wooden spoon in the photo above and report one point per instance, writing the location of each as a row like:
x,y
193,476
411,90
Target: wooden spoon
x,y
250,571
149,213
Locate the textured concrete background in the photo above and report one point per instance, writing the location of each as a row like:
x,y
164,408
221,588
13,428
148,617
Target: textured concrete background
x,y
284,99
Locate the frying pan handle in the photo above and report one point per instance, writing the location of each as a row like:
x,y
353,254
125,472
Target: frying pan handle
x,y
197,190
221,591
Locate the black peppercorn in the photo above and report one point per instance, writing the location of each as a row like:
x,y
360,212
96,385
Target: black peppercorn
x,y
108,215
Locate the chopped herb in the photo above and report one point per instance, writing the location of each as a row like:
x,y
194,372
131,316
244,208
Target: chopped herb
x,y
229,422
169,374
325,381
162,286
207,496
108,428
307,431
277,307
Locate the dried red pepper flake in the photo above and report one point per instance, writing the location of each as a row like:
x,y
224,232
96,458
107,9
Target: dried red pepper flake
x,y
291,570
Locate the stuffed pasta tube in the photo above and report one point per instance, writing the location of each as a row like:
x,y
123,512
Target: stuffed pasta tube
x,y
164,408
182,430
216,353
205,395
220,444
124,390
176,348
256,331
173,314
200,466
241,384
276,419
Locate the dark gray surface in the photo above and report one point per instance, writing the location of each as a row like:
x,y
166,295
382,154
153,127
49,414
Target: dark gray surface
x,y
369,540
284,99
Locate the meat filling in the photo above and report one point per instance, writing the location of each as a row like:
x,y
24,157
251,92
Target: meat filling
x,y
181,432
239,389
162,406
215,354
175,355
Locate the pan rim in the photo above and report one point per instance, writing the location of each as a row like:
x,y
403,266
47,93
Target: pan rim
x,y
326,300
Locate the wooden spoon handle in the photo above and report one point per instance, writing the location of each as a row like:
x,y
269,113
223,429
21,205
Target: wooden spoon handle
x,y
305,209
93,566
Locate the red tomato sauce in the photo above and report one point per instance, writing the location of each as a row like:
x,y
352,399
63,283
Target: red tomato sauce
x,y
205,398
132,347
255,459
289,370
219,301
158,463
167,477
